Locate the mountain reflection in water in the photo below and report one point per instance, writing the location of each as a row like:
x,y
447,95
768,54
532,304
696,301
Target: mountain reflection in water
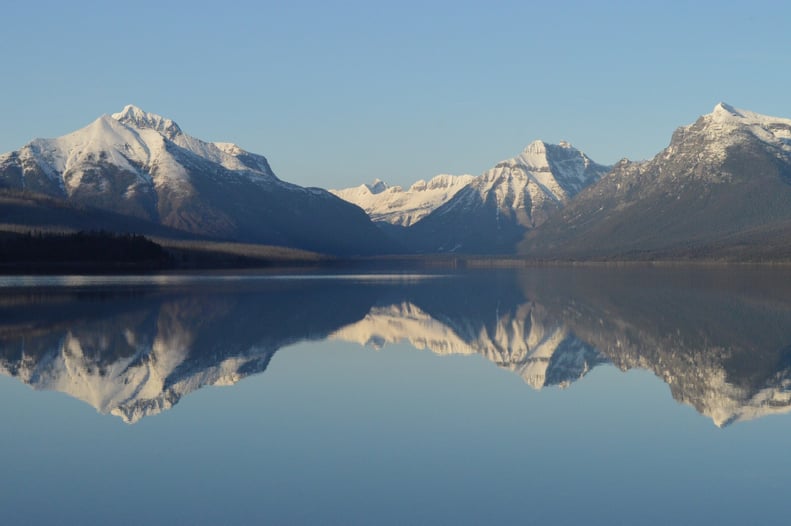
x,y
721,339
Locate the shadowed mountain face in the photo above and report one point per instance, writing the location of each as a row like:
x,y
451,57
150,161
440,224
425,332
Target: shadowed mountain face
x,y
721,341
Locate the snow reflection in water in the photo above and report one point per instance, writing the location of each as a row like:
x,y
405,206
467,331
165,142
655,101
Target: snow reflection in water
x,y
133,346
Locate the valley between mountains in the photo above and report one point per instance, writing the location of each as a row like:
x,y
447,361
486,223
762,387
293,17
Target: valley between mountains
x,y
721,190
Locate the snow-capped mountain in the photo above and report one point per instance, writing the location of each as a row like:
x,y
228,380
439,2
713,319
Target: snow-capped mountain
x,y
143,165
394,205
524,341
495,209
720,189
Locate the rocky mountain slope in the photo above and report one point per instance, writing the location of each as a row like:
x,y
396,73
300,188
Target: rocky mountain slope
x,y
143,166
722,188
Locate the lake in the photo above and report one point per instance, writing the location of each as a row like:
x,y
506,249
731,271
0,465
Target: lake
x,y
540,396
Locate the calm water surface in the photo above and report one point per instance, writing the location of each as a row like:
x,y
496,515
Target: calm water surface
x,y
555,396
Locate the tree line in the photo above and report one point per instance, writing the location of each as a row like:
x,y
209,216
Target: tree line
x,y
86,247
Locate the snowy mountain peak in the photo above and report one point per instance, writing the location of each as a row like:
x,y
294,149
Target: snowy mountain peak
x,y
726,127
540,155
377,186
131,115
229,148
419,186
439,182
536,147
560,169
723,107
725,113
539,146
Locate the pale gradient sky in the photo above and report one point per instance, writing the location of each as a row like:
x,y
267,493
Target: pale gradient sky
x,y
338,93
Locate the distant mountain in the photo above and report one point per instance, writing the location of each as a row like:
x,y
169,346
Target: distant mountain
x,y
394,205
722,189
493,212
141,165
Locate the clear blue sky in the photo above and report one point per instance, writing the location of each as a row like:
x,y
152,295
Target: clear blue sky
x,y
337,93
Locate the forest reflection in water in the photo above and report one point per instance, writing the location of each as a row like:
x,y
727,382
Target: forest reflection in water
x,y
720,338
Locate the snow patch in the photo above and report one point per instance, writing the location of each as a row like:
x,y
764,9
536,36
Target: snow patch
x,y
137,118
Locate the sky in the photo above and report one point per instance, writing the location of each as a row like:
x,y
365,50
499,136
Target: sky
x,y
335,94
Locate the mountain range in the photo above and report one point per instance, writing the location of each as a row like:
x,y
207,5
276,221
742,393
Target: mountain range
x,y
721,189
485,214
